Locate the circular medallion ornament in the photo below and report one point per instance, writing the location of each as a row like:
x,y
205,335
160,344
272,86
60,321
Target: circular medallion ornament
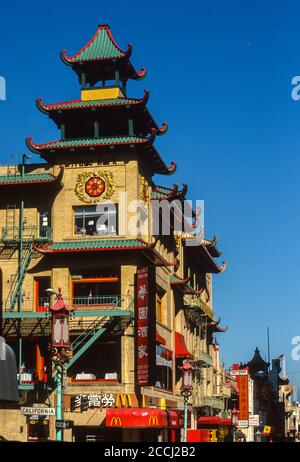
x,y
91,185
94,187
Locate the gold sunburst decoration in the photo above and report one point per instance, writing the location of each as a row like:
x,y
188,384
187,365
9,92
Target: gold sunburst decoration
x,y
145,196
91,186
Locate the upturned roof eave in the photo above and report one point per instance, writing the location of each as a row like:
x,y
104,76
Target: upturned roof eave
x,y
78,104
46,149
212,267
53,180
116,54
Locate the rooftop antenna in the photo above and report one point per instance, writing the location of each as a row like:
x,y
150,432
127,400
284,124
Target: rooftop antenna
x,y
268,340
25,159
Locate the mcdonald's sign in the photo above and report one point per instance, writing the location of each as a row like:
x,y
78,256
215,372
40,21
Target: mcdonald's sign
x,y
137,417
123,400
116,422
153,421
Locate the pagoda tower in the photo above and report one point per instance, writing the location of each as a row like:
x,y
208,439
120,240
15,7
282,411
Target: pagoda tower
x,y
142,297
104,124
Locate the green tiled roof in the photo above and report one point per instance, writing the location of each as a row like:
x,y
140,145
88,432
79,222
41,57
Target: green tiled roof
x,y
101,46
161,192
79,104
27,178
95,245
82,142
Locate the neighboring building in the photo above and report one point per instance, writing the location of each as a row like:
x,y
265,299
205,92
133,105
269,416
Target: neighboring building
x,y
291,411
270,399
58,231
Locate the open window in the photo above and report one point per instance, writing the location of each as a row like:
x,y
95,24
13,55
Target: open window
x,y
99,363
44,223
161,305
95,289
96,220
42,299
164,368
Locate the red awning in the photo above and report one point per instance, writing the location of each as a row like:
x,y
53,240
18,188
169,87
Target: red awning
x,y
214,420
180,347
141,418
160,339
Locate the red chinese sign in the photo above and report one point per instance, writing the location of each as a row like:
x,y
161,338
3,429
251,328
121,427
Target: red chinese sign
x,y
242,383
142,326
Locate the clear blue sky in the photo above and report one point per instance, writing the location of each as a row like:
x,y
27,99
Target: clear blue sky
x,y
220,74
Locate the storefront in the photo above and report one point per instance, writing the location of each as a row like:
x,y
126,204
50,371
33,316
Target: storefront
x,y
220,429
150,425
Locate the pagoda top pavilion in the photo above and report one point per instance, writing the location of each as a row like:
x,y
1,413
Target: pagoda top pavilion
x,y
104,118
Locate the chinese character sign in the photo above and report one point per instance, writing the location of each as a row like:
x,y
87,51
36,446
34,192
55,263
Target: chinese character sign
x,y
242,382
142,326
101,401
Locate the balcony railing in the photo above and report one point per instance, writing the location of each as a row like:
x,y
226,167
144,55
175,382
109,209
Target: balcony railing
x,y
97,301
203,359
118,302
222,391
11,234
195,301
212,401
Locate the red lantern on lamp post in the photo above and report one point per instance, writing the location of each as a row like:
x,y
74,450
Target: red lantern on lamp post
x,y
60,322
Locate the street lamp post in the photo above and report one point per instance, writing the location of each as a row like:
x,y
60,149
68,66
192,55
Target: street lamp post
x,y
186,390
60,349
234,420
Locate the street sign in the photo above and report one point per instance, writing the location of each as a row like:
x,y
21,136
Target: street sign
x,y
243,423
239,372
37,411
59,424
64,424
254,420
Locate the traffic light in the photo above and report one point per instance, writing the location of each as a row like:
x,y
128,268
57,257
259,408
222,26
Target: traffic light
x,y
73,403
84,403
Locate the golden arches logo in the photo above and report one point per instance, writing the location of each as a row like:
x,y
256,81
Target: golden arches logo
x,y
116,422
123,399
213,436
153,421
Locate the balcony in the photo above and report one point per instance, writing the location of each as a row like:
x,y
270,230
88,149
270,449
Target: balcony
x,y
11,234
103,302
222,391
203,359
194,301
212,401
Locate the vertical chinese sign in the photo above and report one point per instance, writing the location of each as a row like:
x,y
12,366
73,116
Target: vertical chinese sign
x,y
142,326
243,387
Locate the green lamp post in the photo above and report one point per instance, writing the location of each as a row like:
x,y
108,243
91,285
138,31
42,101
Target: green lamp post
x,y
60,349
